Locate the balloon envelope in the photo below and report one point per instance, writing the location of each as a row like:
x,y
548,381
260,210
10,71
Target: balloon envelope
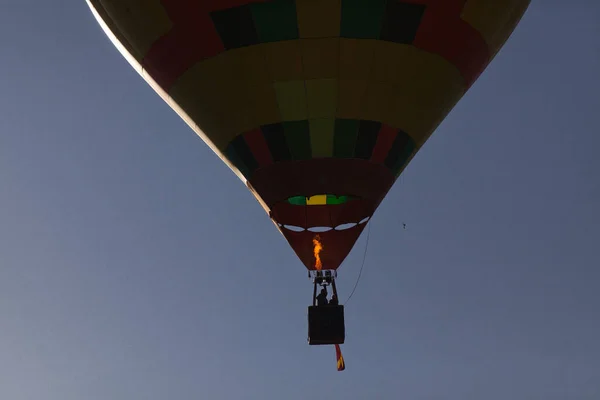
x,y
317,105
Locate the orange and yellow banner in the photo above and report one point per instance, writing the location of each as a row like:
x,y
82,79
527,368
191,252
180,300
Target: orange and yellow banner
x,y
341,365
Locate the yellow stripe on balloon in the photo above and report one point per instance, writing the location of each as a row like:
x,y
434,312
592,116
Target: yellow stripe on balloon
x,y
317,200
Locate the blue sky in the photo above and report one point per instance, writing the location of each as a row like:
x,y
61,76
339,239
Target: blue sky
x,y
134,264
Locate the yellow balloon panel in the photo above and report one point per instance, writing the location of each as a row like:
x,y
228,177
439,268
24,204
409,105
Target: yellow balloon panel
x,y
351,97
321,97
318,18
320,57
321,136
141,23
495,20
284,60
291,98
356,59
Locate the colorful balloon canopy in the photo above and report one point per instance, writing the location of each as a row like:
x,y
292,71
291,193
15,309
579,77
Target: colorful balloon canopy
x,y
317,105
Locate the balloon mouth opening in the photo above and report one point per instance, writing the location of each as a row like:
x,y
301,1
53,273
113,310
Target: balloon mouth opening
x,y
320,229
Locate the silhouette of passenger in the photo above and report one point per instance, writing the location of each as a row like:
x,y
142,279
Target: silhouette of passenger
x,y
333,301
322,298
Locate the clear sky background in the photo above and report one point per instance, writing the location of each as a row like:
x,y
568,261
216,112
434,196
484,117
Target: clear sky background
x,y
135,265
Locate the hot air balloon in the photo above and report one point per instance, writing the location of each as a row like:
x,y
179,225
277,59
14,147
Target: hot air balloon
x,y
316,105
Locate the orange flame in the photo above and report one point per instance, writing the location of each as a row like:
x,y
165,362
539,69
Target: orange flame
x,y
318,247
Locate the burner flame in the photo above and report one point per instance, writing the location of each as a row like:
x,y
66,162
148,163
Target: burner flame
x,y
318,247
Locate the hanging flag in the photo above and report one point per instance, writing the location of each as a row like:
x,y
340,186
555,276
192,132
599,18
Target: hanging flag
x,y
341,365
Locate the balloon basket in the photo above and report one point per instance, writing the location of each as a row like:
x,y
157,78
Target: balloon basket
x,y
325,322
326,325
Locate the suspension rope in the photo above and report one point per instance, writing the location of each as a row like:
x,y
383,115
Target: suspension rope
x,y
363,263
